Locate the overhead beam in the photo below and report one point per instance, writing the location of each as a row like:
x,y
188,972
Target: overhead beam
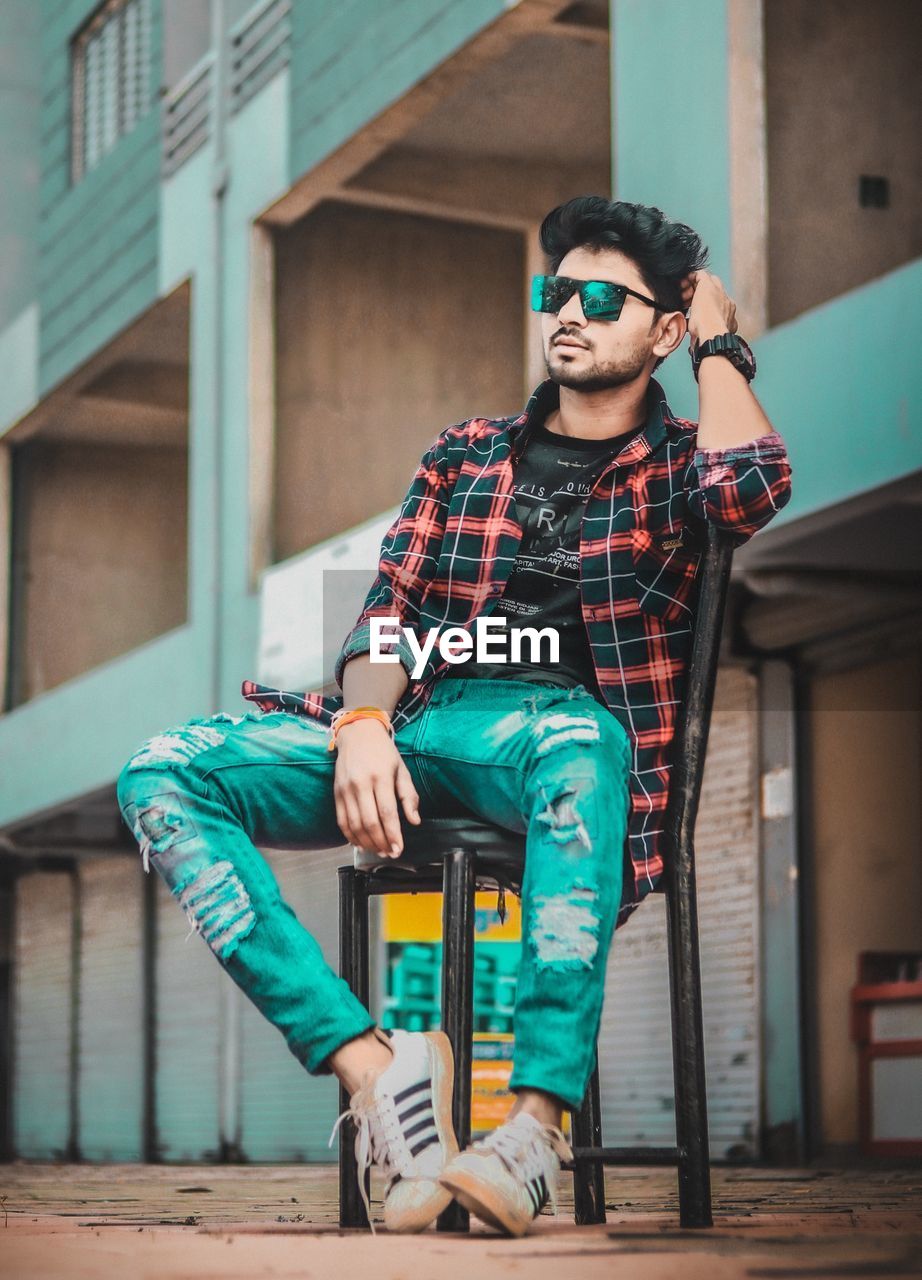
x,y
95,817
402,203
157,384
577,31
160,335
323,182
491,190
60,853
99,422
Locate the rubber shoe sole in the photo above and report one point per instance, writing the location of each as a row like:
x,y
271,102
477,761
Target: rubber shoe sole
x,y
411,1206
485,1202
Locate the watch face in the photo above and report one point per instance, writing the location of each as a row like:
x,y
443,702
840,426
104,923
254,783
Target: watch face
x,y
742,356
736,353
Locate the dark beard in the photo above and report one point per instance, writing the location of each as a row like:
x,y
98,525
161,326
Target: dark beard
x,y
600,377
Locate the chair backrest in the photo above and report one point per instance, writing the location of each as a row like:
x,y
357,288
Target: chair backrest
x,y
690,743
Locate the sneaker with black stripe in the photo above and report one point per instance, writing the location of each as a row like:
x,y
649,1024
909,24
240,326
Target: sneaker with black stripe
x,y
404,1127
508,1177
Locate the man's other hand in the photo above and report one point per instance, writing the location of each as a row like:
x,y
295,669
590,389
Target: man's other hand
x,y
370,778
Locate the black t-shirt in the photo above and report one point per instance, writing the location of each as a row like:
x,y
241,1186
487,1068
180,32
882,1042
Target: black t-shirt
x,y
553,480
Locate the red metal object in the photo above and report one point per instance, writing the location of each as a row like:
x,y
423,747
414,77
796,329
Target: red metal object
x,y
885,979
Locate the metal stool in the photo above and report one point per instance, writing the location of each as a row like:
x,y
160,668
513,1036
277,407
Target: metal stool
x,y
459,854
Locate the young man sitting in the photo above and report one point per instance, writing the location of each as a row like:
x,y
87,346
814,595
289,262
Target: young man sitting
x,y
583,516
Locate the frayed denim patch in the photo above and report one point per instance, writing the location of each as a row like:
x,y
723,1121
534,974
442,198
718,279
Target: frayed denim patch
x,y
159,822
565,928
218,907
176,746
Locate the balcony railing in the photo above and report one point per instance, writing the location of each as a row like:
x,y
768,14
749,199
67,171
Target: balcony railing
x,y
258,48
187,115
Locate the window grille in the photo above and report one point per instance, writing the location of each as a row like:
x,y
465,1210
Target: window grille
x,y
110,64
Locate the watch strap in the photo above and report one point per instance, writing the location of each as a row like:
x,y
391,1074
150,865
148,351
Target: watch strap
x,y
731,345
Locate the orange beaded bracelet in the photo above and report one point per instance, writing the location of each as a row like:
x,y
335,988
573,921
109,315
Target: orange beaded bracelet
x,y
342,716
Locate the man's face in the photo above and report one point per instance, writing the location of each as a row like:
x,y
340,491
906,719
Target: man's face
x,y
593,355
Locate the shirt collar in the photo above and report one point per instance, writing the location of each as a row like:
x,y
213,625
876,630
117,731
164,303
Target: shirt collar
x,y
546,398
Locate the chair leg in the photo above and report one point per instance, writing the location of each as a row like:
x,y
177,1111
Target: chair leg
x,y
458,1000
688,1048
588,1178
353,967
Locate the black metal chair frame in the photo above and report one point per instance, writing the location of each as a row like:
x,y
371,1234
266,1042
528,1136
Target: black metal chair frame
x,y
456,855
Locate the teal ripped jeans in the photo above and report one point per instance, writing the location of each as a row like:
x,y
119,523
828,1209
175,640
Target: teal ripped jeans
x,y
549,762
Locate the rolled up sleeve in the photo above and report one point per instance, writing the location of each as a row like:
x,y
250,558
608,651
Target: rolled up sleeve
x,y
740,489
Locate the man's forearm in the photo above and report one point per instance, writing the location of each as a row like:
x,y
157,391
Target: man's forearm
x,y
376,684
729,414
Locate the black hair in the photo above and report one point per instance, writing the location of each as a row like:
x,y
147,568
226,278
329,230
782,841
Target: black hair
x,y
663,251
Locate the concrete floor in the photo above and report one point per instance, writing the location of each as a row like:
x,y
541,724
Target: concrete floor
x,y
99,1222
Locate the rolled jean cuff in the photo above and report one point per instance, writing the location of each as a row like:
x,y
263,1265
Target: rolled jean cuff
x,y
547,1084
316,1061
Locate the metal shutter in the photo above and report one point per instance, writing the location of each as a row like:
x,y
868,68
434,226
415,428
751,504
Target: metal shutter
x,y
110,1072
42,959
188,982
286,1114
635,1045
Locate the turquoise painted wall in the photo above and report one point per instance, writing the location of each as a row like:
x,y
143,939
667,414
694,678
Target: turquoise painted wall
x,y
843,384
352,59
840,382
670,125
75,739
670,132
97,239
19,141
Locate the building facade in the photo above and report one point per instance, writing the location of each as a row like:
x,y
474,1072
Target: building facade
x,y
253,258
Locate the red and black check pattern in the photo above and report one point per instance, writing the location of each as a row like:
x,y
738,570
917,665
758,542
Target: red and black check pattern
x,y
448,553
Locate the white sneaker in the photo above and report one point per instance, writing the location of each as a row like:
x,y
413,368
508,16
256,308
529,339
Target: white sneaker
x,y
508,1177
403,1119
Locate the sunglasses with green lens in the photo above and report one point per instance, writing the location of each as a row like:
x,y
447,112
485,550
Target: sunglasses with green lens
x,y
600,299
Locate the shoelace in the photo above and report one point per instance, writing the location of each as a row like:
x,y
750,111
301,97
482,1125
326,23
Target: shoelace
x,y
380,1140
523,1151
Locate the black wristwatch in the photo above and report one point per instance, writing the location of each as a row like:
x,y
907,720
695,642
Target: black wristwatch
x,y
731,345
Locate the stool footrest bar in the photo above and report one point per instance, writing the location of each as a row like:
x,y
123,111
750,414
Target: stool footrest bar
x,y
625,1155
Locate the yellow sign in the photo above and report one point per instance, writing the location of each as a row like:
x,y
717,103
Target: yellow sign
x,y
412,929
417,917
490,1075
491,1069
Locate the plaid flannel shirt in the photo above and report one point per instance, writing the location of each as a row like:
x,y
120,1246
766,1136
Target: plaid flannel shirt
x,y
446,557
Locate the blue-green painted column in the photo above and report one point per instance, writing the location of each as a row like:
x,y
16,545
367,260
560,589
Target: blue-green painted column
x,y
671,125
672,72
20,97
780,917
671,130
